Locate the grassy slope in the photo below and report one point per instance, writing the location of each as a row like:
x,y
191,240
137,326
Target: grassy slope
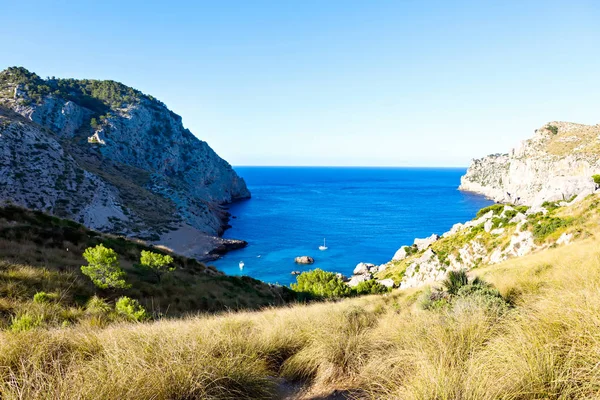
x,y
43,253
547,346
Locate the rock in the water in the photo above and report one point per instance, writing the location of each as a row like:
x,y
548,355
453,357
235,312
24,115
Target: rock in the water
x,y
304,260
423,244
296,272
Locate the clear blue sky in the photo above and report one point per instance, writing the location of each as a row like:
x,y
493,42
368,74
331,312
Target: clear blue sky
x,y
326,82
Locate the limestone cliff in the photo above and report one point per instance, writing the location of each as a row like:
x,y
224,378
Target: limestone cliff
x,y
114,159
556,164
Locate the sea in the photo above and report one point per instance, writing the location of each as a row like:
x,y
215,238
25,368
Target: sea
x,y
363,214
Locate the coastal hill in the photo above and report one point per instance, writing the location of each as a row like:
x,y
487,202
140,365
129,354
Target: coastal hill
x,y
505,306
557,163
114,159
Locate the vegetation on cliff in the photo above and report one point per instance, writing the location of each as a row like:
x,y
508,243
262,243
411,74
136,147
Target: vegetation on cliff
x,y
42,284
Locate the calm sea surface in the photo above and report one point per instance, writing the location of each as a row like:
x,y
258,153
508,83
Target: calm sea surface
x,y
365,214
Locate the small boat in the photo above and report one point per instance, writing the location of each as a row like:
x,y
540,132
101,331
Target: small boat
x,y
324,247
242,265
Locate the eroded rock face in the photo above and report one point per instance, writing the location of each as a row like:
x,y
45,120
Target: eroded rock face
x,y
120,162
556,164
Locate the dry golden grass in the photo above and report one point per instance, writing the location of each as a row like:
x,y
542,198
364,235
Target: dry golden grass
x,y
546,347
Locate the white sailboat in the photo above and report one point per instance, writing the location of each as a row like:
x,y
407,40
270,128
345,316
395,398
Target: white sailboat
x,y
242,265
324,247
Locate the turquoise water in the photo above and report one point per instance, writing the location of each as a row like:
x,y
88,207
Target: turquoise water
x,y
366,214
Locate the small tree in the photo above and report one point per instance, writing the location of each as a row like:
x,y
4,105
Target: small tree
x,y
103,268
321,284
94,123
130,309
156,263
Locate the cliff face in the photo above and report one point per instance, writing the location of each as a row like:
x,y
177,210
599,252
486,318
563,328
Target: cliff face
x,y
112,158
556,164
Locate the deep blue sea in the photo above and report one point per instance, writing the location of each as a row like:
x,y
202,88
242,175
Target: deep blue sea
x,y
365,214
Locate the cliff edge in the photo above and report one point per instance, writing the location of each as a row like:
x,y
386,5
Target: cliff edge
x,y
556,164
114,159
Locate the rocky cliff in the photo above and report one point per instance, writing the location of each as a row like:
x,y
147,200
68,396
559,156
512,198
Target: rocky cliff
x,y
114,159
498,233
556,164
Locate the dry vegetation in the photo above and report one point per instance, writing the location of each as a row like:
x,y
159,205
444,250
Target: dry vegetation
x,y
545,347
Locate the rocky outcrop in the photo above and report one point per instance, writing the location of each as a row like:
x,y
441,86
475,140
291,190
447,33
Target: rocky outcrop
x,y
304,260
499,233
556,164
114,159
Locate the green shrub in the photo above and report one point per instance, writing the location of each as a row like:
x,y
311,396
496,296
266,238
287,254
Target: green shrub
x,y
457,291
320,284
553,129
596,179
96,305
103,268
550,205
496,208
157,263
25,322
371,287
432,300
131,309
43,297
545,226
454,281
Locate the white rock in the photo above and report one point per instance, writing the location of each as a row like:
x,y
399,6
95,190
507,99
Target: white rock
x,y
488,225
401,254
518,218
565,238
497,231
387,282
356,279
422,244
362,268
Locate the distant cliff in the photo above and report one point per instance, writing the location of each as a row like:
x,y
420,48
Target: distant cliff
x,y
114,159
556,164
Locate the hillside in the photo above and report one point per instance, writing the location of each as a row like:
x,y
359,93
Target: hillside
x,y
114,159
42,253
558,162
538,340
497,233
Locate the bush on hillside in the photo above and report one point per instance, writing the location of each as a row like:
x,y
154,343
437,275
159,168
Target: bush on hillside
x,y
103,268
371,287
156,263
496,208
596,179
320,284
553,129
457,290
43,297
25,322
131,309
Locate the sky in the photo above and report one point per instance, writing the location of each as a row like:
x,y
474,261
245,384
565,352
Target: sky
x,y
328,82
